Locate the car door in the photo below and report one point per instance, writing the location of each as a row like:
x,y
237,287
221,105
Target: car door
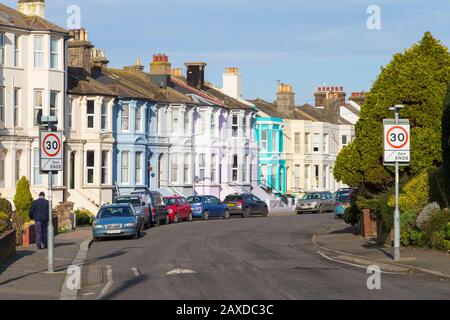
x,y
160,206
219,207
213,206
260,205
182,212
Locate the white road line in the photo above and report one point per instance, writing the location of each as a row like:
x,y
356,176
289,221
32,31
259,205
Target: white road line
x,y
355,265
180,271
108,284
136,271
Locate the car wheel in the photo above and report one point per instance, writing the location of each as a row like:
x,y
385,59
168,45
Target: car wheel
x,y
266,213
227,214
206,215
190,217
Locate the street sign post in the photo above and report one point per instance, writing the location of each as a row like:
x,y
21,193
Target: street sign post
x,y
50,161
397,151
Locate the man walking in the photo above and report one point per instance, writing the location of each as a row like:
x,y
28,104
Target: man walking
x,y
39,213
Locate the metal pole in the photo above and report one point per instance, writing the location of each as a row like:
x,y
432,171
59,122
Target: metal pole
x,y
397,210
50,225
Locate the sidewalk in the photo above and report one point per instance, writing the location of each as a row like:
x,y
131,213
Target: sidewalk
x,y
24,276
340,242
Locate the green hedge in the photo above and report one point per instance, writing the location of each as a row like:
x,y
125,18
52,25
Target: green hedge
x,y
84,217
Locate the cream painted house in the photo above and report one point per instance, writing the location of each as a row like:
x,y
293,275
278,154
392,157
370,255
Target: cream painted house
x,y
32,84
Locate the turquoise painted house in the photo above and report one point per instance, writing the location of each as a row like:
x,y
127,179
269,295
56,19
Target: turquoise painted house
x,y
272,159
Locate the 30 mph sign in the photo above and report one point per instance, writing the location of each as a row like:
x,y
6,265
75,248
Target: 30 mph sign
x,y
51,151
397,141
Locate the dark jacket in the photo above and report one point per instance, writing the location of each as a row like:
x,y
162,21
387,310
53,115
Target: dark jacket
x,y
39,210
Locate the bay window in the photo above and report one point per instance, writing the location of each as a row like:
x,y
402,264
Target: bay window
x,y
105,156
90,114
125,166
125,117
138,168
138,118
174,167
54,56
38,107
38,51
53,103
90,167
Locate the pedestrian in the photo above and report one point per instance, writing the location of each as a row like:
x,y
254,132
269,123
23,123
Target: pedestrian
x,y
39,213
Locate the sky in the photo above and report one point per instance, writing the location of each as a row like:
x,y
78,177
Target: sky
x,y
305,43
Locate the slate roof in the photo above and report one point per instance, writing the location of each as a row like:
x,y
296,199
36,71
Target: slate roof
x,y
305,112
10,17
82,84
229,102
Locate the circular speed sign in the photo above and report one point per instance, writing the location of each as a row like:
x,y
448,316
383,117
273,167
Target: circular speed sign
x,y
51,145
397,137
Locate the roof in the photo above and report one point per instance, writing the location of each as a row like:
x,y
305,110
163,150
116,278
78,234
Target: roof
x,y
305,112
12,18
131,83
230,102
80,84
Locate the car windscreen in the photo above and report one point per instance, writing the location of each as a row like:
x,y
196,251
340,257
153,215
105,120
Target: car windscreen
x,y
133,201
312,196
106,213
343,197
233,198
195,200
170,202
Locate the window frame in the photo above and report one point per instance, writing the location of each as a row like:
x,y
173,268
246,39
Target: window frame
x,y
235,168
54,54
90,116
2,106
138,167
104,169
202,167
54,108
235,126
174,167
264,142
122,118
103,117
38,52
17,60
37,122
138,118
16,106
123,168
214,168
297,142
90,168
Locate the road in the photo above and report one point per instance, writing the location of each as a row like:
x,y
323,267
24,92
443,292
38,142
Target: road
x,y
257,258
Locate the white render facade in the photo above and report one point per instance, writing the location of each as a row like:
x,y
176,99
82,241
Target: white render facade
x,y
32,84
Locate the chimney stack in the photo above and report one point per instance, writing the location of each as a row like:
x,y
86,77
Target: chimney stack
x,y
285,99
32,8
137,66
98,58
195,74
232,82
324,93
80,50
160,65
358,97
177,72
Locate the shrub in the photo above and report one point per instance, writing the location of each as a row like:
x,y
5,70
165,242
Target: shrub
x,y
84,217
434,231
438,190
414,195
426,213
22,201
352,215
384,212
5,213
408,232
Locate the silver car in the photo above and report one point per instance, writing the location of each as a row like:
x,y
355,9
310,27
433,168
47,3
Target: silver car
x,y
316,202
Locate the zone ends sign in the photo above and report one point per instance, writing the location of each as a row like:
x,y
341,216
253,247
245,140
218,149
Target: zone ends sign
x,y
397,142
51,151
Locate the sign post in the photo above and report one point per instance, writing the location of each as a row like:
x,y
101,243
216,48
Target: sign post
x,y
397,152
51,160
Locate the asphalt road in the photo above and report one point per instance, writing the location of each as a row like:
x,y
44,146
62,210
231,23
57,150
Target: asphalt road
x,y
258,258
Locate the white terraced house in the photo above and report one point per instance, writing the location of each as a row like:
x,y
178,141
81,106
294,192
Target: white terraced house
x,y
32,84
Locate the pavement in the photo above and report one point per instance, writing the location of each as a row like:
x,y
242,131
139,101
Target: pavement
x,y
342,244
25,277
271,258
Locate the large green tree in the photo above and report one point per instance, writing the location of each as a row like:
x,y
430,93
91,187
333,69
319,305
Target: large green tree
x,y
446,142
417,79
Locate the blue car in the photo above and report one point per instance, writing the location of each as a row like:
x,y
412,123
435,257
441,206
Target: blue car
x,y
117,220
206,207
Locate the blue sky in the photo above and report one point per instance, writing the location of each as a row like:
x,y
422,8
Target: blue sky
x,y
304,43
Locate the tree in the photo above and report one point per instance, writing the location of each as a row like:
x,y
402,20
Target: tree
x,y
446,142
417,79
22,201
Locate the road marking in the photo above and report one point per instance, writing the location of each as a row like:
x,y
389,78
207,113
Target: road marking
x,y
108,284
180,271
355,265
136,272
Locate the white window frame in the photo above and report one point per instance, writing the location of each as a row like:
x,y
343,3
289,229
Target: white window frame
x,y
202,123
187,168
307,143
297,142
174,167
307,176
38,54
37,177
16,106
2,106
326,143
175,120
105,166
2,48
346,140
138,118
214,168
264,141
235,125
17,62
244,126
186,122
104,117
297,172
53,111
275,141
54,53
122,118
90,168
138,167
202,166
90,115
125,178
316,143
213,124
235,168
37,108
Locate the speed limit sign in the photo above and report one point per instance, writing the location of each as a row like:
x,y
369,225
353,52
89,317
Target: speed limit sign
x,y
397,141
51,151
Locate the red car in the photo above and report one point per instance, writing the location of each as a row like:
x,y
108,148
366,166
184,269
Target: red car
x,y
179,209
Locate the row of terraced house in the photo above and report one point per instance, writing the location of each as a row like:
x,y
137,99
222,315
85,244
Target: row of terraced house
x,y
154,127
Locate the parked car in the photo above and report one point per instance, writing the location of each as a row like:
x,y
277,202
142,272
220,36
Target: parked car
x,y
179,209
117,220
246,205
316,202
344,199
139,204
157,205
206,207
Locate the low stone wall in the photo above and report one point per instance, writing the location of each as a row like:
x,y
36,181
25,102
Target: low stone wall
x,y
7,245
368,224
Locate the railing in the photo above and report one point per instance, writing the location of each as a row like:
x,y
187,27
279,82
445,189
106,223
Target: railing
x,y
268,187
